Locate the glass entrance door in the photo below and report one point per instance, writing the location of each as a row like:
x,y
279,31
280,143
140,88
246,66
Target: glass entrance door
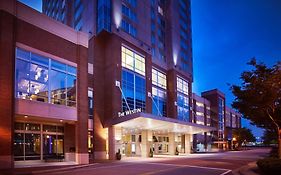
x,y
38,141
52,147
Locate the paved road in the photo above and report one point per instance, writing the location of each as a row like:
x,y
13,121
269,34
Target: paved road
x,y
195,164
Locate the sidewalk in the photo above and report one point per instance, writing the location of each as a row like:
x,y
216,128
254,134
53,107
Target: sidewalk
x,y
250,169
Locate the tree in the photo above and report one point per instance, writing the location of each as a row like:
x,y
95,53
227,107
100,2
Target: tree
x,y
258,98
270,137
243,135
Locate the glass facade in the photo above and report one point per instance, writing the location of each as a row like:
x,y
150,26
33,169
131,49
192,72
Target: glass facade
x,y
159,82
234,121
182,99
78,11
221,119
133,80
43,79
34,141
129,18
183,30
103,15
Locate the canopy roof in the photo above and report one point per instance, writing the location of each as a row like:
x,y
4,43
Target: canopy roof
x,y
145,121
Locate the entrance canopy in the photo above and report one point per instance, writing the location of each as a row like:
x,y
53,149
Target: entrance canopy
x,y
145,121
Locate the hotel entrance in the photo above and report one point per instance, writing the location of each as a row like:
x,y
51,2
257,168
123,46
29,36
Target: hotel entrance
x,y
160,144
143,134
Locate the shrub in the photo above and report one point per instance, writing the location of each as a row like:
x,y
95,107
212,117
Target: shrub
x,y
269,165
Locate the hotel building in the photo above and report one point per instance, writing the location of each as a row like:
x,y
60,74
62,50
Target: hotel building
x,y
223,118
201,114
77,95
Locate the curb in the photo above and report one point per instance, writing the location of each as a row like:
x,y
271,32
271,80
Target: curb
x,y
60,169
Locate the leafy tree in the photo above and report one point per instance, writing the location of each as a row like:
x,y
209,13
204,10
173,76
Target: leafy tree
x,y
270,137
243,135
258,98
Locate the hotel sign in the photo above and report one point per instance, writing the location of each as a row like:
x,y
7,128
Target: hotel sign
x,y
129,112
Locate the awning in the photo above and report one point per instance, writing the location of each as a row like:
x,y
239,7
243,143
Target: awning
x,y
145,121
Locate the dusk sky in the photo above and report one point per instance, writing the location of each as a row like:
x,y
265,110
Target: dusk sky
x,y
226,35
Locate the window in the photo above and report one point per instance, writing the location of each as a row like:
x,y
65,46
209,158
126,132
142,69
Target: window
x,y
91,103
182,99
134,89
159,106
183,24
133,3
182,105
30,138
133,80
129,28
159,79
152,14
129,13
43,79
183,4
103,15
198,104
133,61
221,118
182,86
183,44
152,39
152,26
234,121
183,34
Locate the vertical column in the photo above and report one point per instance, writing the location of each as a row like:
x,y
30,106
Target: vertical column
x,y
172,94
7,65
69,142
81,131
111,142
98,46
148,72
172,144
146,140
187,143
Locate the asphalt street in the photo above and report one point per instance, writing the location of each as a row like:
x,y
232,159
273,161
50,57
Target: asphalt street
x,y
195,164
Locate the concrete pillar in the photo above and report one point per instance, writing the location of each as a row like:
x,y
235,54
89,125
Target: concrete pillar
x,y
7,65
146,140
114,141
81,130
172,143
111,143
172,93
187,143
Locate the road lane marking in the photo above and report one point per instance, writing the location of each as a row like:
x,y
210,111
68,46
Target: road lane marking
x,y
226,172
192,166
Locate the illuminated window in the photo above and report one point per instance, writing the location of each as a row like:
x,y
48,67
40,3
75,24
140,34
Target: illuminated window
x,y
43,79
159,79
199,104
133,61
133,80
182,86
199,113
